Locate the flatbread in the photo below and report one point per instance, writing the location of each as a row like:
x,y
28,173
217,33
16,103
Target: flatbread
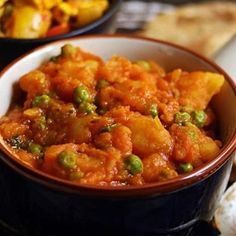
x,y
204,28
225,214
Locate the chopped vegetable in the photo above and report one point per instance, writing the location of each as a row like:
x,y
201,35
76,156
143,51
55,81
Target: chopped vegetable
x,y
33,112
35,149
54,59
40,100
89,11
182,118
101,111
41,122
199,118
108,128
67,159
76,175
102,84
185,167
2,2
58,29
153,110
68,50
144,64
81,94
134,164
87,108
16,142
27,22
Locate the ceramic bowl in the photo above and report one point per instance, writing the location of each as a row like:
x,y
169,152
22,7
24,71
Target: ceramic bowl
x,y
11,48
35,201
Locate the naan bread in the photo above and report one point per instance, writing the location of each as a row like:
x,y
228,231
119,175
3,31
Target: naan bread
x,y
225,215
204,28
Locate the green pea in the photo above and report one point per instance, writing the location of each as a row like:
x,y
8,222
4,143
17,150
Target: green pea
x,y
182,118
40,100
144,64
68,50
102,84
108,128
87,108
153,110
134,164
199,118
102,111
41,122
67,159
54,58
35,148
76,175
185,167
81,94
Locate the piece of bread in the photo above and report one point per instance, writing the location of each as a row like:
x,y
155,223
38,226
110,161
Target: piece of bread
x,y
204,27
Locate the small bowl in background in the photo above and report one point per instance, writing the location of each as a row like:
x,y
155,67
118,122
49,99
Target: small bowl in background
x,y
11,48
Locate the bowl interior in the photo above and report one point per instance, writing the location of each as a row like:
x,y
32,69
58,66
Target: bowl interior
x,y
167,55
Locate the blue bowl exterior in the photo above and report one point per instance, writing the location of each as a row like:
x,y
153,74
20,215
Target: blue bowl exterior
x,y
12,48
31,208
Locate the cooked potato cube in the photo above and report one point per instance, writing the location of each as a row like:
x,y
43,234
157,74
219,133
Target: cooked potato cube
x,y
28,22
91,11
148,135
192,146
197,88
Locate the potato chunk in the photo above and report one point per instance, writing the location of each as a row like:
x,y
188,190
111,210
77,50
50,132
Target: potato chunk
x,y
148,135
90,11
192,146
28,22
197,88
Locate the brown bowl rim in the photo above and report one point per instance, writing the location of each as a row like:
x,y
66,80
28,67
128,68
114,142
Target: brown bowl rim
x,y
157,188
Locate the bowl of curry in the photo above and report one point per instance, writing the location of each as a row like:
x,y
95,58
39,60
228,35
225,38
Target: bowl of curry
x,y
120,117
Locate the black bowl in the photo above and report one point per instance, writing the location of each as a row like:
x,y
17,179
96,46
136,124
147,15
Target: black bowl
x,y
11,48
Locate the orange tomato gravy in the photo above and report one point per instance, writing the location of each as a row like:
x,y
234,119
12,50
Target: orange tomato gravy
x,y
113,123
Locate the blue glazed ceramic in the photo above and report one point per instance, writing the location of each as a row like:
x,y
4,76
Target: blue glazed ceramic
x,y
32,209
34,203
